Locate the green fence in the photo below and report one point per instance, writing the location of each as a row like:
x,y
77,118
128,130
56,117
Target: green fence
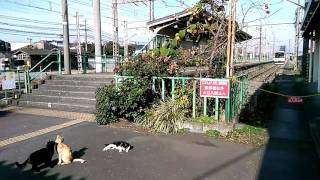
x,y
238,98
227,109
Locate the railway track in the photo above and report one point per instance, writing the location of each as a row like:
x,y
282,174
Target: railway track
x,y
265,75
260,76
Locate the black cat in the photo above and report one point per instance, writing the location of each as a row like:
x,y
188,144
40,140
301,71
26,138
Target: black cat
x,y
39,157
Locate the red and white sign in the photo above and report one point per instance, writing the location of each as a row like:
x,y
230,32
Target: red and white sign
x,y
214,88
295,100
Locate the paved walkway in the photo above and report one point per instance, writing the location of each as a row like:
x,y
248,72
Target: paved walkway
x,y
290,152
175,157
19,124
154,157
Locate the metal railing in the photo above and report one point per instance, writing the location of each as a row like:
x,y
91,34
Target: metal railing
x,y
27,72
230,107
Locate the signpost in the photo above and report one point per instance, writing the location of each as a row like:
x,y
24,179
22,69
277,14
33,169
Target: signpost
x,y
219,88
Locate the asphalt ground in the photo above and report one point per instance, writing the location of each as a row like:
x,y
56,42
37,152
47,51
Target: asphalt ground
x,y
290,152
183,156
14,124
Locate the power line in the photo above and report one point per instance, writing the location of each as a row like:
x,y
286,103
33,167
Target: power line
x,y
32,6
29,20
274,24
34,27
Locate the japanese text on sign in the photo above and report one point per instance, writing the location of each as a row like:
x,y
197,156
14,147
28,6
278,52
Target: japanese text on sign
x,y
214,88
295,100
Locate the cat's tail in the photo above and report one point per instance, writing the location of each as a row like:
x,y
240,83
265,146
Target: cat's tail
x,y
79,160
23,164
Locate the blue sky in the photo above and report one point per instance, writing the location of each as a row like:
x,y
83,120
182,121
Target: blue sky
x,y
136,15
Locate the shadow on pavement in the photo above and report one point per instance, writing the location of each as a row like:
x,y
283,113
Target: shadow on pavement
x,y
290,152
4,113
79,153
11,172
225,165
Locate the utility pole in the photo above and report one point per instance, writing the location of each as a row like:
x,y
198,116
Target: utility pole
x,y
115,31
274,41
231,38
30,39
260,36
126,48
151,10
85,35
115,21
79,59
289,50
246,52
66,50
296,49
97,34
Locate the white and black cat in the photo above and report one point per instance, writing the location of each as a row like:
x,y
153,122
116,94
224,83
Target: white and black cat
x,y
41,156
119,145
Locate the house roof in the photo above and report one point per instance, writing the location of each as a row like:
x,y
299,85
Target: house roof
x,y
40,52
181,18
311,17
167,19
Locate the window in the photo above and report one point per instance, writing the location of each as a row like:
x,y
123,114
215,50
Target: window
x,y
22,56
279,55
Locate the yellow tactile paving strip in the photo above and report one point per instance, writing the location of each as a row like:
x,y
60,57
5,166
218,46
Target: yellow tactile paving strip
x,y
38,133
74,117
52,113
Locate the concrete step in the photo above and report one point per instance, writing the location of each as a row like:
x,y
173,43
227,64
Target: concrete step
x,y
45,87
59,106
80,94
78,83
58,99
87,77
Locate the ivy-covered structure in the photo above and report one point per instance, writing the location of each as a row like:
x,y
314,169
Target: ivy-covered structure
x,y
167,27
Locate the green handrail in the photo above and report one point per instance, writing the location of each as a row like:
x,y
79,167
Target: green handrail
x,y
41,61
29,79
32,78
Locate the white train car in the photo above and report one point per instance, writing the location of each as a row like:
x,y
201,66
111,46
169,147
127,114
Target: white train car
x,y
279,57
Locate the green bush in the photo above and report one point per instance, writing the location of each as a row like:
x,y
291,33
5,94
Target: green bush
x,y
106,105
164,117
213,133
134,96
128,101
